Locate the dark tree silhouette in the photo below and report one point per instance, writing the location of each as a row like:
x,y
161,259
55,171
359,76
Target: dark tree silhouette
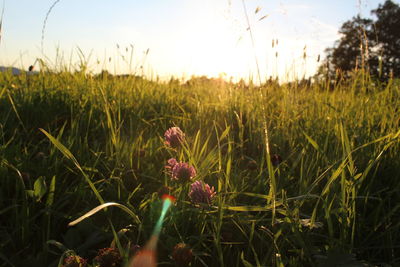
x,y
352,49
370,44
386,40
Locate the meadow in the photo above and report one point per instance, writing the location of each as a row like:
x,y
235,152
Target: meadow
x,y
304,174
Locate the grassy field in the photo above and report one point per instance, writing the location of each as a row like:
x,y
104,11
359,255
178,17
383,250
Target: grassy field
x,y
70,142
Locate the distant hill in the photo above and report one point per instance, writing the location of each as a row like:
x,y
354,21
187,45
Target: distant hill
x,y
15,71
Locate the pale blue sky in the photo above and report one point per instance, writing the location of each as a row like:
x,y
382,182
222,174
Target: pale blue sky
x,y
185,37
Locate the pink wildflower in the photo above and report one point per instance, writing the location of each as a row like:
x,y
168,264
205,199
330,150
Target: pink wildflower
x,y
174,137
182,172
108,257
201,193
171,163
74,261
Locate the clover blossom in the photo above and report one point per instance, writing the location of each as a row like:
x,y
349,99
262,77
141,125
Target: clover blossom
x,y
108,257
171,163
74,261
182,172
174,137
201,193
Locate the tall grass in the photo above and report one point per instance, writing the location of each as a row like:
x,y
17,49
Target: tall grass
x,y
335,195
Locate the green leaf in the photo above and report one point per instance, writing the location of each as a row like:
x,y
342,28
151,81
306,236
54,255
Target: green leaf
x,y
334,176
62,149
2,92
50,197
100,207
252,208
39,188
312,142
71,157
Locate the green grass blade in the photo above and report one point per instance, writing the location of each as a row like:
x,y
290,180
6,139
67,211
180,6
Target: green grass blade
x,y
103,206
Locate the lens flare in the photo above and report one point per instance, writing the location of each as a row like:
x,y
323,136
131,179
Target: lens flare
x,y
171,198
147,256
144,258
167,201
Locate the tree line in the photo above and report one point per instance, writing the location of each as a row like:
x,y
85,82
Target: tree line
x,y
370,44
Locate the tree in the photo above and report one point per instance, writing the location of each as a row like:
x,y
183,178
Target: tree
x,y
387,40
352,49
373,45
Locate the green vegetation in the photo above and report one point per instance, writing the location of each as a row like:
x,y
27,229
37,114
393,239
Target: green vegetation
x,y
333,199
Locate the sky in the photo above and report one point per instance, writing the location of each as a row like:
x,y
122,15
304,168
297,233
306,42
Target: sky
x,y
180,38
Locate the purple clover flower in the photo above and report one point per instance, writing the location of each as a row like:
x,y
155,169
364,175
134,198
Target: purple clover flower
x,y
180,171
108,257
174,137
171,163
201,193
183,172
74,261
